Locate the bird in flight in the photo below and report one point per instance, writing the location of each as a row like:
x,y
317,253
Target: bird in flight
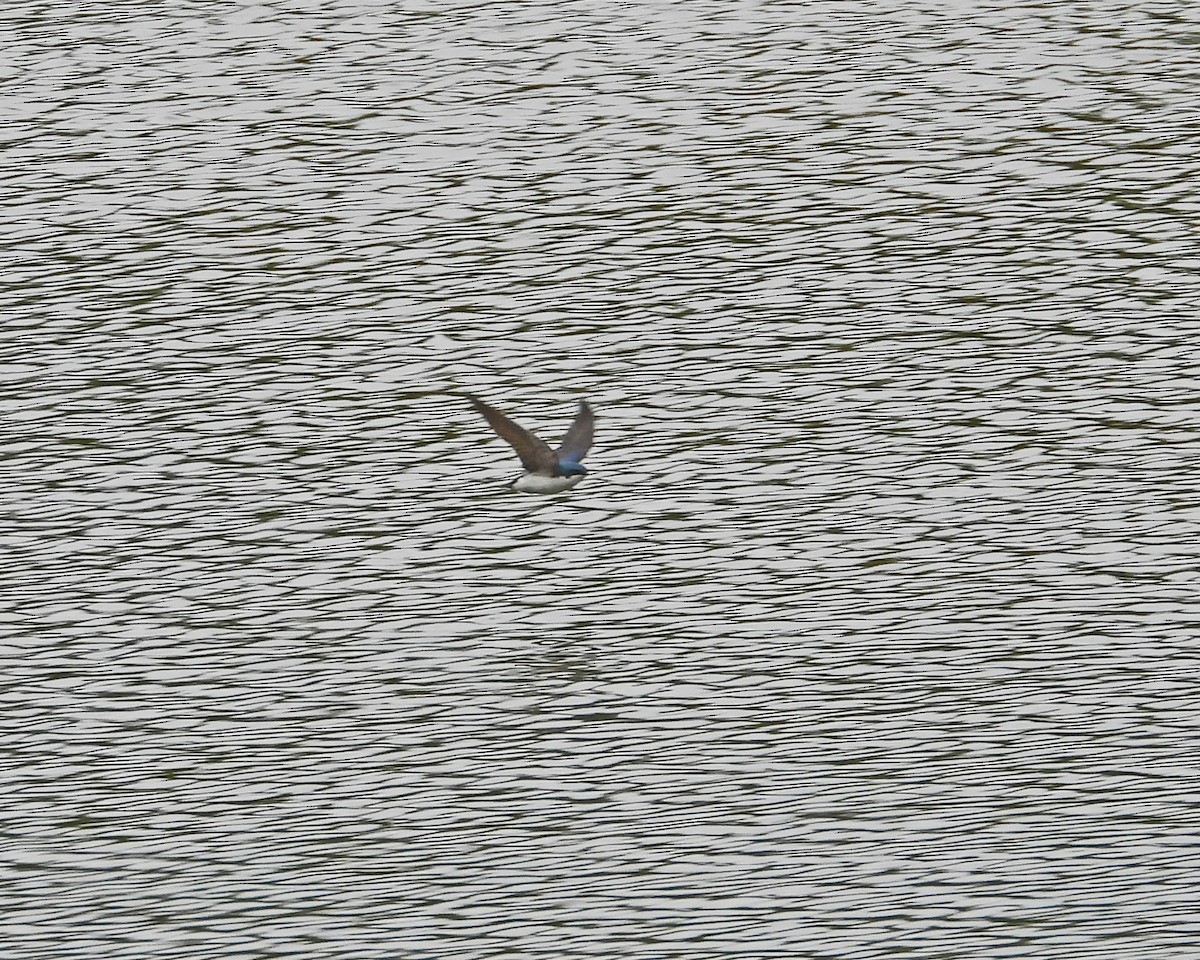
x,y
546,470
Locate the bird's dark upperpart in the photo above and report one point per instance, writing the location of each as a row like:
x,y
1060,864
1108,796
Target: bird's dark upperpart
x,y
569,469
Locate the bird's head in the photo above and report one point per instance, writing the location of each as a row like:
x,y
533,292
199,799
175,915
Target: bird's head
x,y
570,469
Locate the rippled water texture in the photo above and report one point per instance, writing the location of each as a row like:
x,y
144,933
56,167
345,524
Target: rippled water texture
x,y
872,632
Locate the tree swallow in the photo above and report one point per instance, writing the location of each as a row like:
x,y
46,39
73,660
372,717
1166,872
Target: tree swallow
x,y
546,470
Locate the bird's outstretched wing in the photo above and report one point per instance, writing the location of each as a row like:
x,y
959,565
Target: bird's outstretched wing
x,y
579,437
536,455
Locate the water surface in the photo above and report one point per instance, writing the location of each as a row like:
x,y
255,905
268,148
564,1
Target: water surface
x,y
872,632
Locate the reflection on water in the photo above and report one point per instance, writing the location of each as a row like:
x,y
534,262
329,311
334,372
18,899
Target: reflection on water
x,y
870,633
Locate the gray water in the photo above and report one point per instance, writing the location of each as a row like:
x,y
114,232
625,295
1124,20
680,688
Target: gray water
x,y
873,631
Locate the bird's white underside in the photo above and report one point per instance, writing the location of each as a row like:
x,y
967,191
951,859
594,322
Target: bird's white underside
x,y
537,483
